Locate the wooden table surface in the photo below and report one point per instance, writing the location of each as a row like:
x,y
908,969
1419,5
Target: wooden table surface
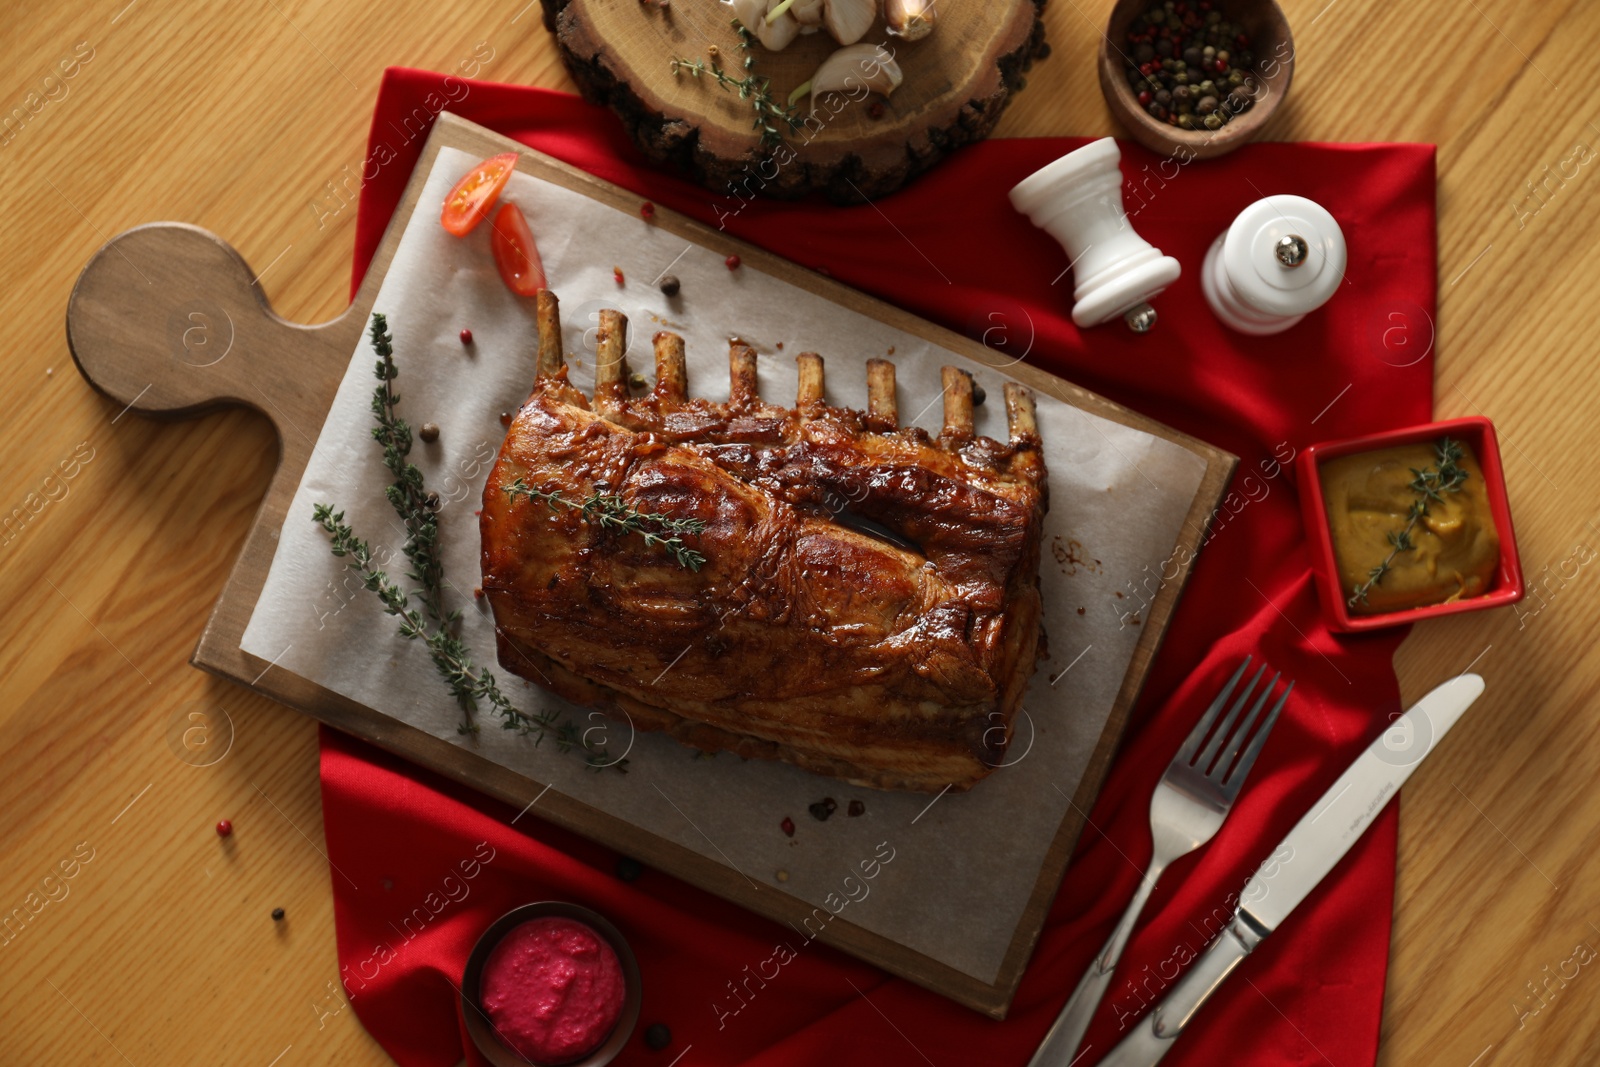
x,y
158,949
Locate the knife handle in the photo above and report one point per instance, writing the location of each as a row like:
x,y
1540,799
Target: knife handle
x,y
1060,1045
1225,952
1156,1032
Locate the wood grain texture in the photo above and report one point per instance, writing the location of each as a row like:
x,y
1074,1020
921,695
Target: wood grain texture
x,y
958,81
165,321
238,119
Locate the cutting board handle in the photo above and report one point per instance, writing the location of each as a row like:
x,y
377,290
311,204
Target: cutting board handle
x,y
168,320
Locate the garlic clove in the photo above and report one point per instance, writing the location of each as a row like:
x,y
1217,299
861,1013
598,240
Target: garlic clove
x,y
750,13
808,13
777,33
849,20
853,66
774,35
910,19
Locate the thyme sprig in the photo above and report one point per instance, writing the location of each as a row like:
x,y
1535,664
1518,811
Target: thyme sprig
x,y
752,87
408,494
1430,484
611,512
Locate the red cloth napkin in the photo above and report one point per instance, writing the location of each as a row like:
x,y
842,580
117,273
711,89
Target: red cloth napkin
x,y
422,865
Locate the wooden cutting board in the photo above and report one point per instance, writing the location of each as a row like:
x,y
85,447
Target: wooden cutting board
x,y
167,320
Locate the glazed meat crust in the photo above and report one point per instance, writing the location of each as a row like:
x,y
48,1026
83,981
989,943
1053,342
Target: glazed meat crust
x,y
868,607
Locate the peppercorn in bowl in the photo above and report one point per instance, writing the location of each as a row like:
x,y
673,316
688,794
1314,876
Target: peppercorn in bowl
x,y
1194,79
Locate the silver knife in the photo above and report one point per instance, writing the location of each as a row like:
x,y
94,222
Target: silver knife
x,y
1318,841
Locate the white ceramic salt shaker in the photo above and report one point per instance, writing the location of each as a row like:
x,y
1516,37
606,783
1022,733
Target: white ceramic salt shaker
x,y
1282,258
1078,201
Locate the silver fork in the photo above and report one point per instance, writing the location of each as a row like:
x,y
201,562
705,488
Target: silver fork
x,y
1188,806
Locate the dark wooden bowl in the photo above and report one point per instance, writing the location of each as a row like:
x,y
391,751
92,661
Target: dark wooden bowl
x,y
477,1021
1271,44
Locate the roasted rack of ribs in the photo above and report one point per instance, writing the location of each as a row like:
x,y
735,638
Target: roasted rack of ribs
x,y
868,603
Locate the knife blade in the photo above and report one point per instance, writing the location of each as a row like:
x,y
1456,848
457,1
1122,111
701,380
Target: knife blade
x,y
1316,844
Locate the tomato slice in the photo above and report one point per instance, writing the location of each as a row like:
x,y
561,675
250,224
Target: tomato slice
x,y
469,202
514,251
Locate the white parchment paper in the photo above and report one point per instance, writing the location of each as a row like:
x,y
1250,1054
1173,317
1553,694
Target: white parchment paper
x,y
963,864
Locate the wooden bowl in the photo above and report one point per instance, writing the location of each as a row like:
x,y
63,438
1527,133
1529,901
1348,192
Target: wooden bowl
x,y
1270,43
477,1022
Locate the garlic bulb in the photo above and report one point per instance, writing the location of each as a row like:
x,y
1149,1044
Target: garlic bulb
x,y
849,20
849,68
911,19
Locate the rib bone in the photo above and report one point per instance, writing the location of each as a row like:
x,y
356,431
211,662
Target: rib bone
x,y
610,367
743,388
957,401
549,320
810,391
672,372
883,414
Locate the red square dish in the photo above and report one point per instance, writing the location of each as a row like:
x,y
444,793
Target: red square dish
x,y
1507,587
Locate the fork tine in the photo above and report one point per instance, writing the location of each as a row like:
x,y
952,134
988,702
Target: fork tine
x,y
1191,744
1236,779
1210,751
1236,741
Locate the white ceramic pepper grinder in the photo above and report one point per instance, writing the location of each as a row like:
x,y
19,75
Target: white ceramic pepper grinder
x,y
1282,258
1078,201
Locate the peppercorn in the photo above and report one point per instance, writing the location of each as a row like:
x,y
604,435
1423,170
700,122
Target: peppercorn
x,y
224,828
822,809
277,915
429,433
657,1036
1183,56
669,284
857,808
431,501
978,395
466,337
629,869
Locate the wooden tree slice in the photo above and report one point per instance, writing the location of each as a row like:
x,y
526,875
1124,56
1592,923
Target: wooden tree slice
x,y
958,80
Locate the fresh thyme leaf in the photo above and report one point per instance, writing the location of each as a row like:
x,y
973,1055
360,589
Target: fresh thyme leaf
x,y
469,684
1430,484
752,87
407,494
610,512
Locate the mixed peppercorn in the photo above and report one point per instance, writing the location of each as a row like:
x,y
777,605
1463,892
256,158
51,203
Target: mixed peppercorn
x,y
1189,66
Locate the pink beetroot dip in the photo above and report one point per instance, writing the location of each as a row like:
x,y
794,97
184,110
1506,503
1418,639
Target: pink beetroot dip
x,y
553,989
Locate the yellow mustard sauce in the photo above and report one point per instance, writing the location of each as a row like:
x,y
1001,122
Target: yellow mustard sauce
x,y
1369,498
